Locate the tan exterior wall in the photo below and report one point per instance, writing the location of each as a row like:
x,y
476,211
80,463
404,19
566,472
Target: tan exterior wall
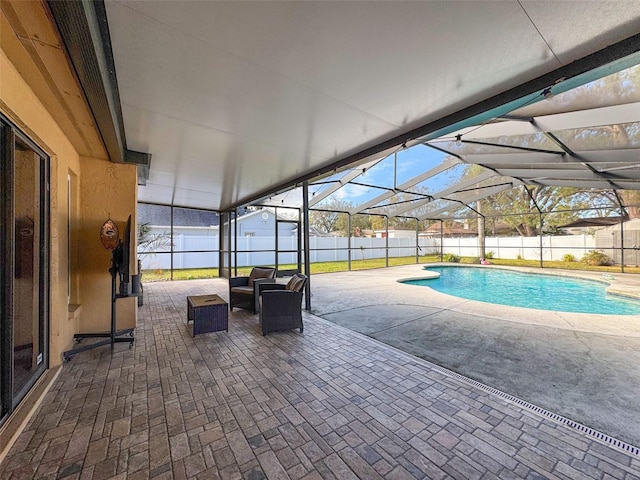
x,y
108,191
104,190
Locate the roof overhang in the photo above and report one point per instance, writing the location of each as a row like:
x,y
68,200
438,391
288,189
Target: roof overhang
x,y
239,100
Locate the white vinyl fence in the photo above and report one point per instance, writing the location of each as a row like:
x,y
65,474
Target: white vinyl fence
x,y
254,250
553,247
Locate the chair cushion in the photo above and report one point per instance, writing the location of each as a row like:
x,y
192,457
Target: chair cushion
x,y
258,272
242,290
296,283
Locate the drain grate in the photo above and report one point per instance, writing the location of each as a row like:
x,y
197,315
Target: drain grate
x,y
510,398
546,413
541,411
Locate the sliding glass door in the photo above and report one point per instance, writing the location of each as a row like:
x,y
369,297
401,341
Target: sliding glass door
x,y
24,246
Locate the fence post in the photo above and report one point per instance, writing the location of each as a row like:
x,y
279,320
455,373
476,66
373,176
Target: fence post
x,y
417,241
622,241
348,241
386,241
541,239
171,245
248,250
441,240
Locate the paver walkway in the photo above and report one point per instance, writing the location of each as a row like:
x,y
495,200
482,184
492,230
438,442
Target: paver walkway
x,y
584,367
328,403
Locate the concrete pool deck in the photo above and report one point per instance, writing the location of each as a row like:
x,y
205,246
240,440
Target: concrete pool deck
x,y
584,367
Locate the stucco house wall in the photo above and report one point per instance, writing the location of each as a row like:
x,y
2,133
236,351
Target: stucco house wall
x,y
40,96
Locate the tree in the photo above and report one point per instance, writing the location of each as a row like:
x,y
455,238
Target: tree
x,y
150,243
401,223
519,208
359,223
632,199
402,198
328,221
616,89
333,218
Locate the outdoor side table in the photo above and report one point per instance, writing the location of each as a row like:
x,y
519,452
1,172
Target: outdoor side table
x,y
209,313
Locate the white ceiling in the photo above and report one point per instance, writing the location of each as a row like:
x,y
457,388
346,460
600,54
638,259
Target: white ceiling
x,y
235,98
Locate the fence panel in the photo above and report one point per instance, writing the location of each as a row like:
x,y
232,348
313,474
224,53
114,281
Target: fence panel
x,y
331,249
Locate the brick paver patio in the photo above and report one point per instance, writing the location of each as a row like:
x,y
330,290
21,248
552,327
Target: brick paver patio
x,y
329,403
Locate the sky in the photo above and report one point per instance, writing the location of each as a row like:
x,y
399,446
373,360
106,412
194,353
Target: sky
x,y
408,164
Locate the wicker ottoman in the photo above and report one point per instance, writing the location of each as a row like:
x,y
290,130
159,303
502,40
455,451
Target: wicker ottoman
x,y
209,313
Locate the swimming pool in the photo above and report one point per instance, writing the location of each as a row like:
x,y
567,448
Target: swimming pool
x,y
518,289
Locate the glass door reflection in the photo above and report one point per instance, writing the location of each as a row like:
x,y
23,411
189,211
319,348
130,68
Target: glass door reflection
x,y
28,267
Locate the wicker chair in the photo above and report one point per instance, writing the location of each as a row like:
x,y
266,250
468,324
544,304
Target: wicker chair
x,y
244,291
281,305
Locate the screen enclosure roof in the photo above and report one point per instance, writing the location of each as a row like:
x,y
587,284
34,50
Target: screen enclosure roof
x,y
237,101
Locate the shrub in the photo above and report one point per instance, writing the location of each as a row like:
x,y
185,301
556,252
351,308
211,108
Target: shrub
x,y
567,257
596,258
451,258
489,255
519,257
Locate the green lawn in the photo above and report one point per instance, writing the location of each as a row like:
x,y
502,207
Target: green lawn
x,y
326,267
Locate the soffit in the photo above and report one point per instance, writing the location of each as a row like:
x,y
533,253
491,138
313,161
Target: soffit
x,y
235,98
33,46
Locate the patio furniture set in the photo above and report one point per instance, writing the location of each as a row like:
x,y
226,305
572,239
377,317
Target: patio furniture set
x,y
279,305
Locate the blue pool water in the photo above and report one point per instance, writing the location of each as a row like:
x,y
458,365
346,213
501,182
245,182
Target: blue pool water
x,y
545,292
